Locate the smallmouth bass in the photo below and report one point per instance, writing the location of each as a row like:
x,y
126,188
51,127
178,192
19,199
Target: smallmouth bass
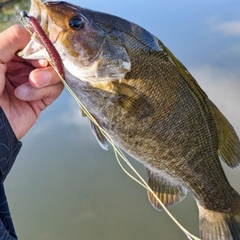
x,y
152,108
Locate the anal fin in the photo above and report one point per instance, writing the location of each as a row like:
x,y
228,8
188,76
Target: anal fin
x,y
168,192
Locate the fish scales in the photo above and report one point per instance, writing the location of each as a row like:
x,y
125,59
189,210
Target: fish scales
x,y
152,108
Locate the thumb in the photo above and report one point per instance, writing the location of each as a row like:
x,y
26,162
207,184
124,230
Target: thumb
x,y
13,39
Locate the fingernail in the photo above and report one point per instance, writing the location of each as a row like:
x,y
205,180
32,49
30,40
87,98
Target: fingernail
x,y
40,78
22,92
43,62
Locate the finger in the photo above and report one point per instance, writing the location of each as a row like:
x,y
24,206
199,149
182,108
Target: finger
x,y
13,39
39,63
42,77
36,62
27,92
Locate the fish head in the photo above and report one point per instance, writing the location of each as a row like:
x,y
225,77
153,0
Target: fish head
x,y
89,51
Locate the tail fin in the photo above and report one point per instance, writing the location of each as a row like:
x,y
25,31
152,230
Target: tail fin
x,y
218,225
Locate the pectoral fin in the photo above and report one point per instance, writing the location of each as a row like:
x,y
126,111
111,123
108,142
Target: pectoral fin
x,y
99,136
228,141
83,113
168,192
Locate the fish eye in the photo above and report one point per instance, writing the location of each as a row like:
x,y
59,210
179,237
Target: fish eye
x,y
76,22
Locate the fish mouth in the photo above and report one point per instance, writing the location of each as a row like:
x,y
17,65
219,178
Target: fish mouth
x,y
42,11
35,48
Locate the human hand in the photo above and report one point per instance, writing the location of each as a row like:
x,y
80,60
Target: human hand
x,y
26,88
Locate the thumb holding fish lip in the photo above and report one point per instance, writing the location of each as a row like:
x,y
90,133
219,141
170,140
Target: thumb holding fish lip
x,y
13,39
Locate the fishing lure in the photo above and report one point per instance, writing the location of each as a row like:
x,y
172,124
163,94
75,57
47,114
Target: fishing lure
x,y
44,40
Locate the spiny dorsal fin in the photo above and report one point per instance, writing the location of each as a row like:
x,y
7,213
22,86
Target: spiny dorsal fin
x,y
168,192
189,79
228,141
229,145
99,136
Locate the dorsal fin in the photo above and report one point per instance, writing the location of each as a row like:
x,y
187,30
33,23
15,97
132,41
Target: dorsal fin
x,y
228,141
229,145
168,192
189,80
99,136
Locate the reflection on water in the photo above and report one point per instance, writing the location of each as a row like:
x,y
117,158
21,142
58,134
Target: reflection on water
x,y
63,186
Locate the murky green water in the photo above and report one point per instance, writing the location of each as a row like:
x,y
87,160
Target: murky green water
x,y
63,186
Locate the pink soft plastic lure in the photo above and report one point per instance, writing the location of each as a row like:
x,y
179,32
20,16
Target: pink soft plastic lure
x,y
45,41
